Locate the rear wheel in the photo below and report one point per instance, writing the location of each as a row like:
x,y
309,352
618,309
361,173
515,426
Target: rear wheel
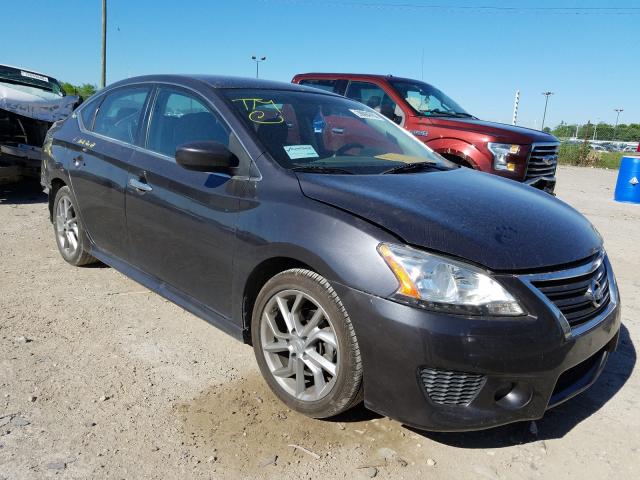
x,y
68,229
305,344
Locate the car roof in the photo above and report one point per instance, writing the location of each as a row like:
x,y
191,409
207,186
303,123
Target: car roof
x,y
28,70
219,82
353,75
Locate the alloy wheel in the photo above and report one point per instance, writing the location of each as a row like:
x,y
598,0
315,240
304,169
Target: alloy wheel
x,y
299,345
67,226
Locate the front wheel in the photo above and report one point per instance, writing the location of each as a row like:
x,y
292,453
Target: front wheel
x,y
305,344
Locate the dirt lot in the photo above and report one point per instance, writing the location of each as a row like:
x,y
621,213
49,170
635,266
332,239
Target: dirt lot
x,y
100,378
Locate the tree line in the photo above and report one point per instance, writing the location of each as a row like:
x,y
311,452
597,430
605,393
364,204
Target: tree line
x,y
600,131
85,90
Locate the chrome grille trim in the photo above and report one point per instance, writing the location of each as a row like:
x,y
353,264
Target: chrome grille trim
x,y
574,276
542,161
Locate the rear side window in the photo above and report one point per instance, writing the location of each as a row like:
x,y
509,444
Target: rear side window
x,y
88,113
375,97
328,85
178,118
120,114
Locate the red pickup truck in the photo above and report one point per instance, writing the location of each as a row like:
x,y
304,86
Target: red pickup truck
x,y
522,154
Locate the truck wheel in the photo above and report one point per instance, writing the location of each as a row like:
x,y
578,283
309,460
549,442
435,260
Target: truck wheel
x,y
70,235
305,344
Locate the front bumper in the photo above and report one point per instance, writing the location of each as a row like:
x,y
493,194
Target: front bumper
x,y
546,184
527,364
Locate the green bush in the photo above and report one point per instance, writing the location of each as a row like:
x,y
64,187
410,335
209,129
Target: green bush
x,y
582,156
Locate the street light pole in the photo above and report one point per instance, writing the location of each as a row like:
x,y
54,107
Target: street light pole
x,y
258,60
546,101
103,74
615,129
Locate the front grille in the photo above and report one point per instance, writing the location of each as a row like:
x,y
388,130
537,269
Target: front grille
x,y
446,387
579,298
543,161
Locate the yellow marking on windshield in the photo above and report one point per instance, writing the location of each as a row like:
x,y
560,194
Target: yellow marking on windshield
x,y
251,105
398,157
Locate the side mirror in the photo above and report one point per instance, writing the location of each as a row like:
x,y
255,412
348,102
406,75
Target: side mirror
x,y
206,156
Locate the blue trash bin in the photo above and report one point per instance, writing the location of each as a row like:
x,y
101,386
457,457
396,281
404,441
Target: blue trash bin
x,y
628,184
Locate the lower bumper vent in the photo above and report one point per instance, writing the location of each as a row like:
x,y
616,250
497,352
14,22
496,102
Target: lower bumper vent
x,y
446,387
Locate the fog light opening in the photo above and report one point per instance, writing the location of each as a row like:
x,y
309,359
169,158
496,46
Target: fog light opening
x,y
512,395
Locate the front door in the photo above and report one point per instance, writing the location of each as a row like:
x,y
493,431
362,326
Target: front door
x,y
99,170
181,223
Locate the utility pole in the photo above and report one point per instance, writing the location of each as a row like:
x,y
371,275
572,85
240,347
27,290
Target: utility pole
x,y
103,76
516,101
258,60
546,101
618,112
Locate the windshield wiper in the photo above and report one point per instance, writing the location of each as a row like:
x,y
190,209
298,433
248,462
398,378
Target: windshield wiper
x,y
437,111
410,167
320,169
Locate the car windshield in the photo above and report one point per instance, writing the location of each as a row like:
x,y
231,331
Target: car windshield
x,y
427,99
34,83
329,134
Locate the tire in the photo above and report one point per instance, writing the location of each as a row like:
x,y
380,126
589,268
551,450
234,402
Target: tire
x,y
311,299
69,232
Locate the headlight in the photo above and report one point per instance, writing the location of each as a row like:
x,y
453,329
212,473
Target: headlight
x,y
438,283
501,155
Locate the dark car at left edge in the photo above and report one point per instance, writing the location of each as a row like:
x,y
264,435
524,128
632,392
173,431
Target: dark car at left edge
x,y
358,263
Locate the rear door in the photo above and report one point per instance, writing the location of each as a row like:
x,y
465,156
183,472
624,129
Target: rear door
x,y
99,169
182,223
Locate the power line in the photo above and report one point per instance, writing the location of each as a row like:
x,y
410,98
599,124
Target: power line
x,y
473,8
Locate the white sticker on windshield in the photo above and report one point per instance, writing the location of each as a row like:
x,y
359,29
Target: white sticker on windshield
x,y
300,151
34,76
366,114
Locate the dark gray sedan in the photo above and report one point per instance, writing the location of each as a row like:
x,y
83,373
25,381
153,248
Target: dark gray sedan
x,y
358,263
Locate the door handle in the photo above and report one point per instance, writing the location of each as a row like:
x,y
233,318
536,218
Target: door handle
x,y
140,186
78,161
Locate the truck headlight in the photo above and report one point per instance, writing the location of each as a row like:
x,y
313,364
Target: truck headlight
x,y
501,155
446,285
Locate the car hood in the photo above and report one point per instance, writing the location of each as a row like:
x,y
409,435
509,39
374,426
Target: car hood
x,y
499,131
491,221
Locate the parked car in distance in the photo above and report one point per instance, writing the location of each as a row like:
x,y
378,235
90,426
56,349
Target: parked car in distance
x,y
358,263
522,154
29,103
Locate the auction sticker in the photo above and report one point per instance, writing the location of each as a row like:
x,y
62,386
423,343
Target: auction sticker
x,y
300,151
34,76
366,114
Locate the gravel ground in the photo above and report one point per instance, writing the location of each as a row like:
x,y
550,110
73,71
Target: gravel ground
x,y
100,378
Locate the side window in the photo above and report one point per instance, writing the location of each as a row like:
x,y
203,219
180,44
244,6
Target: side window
x,y
375,97
88,112
120,114
179,118
328,85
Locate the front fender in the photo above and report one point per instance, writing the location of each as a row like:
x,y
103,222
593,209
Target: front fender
x,y
466,151
336,244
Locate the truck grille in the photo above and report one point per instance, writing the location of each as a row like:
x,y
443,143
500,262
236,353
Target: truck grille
x,y
446,387
579,298
543,161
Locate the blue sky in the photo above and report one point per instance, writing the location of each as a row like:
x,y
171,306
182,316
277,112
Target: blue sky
x,y
478,56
